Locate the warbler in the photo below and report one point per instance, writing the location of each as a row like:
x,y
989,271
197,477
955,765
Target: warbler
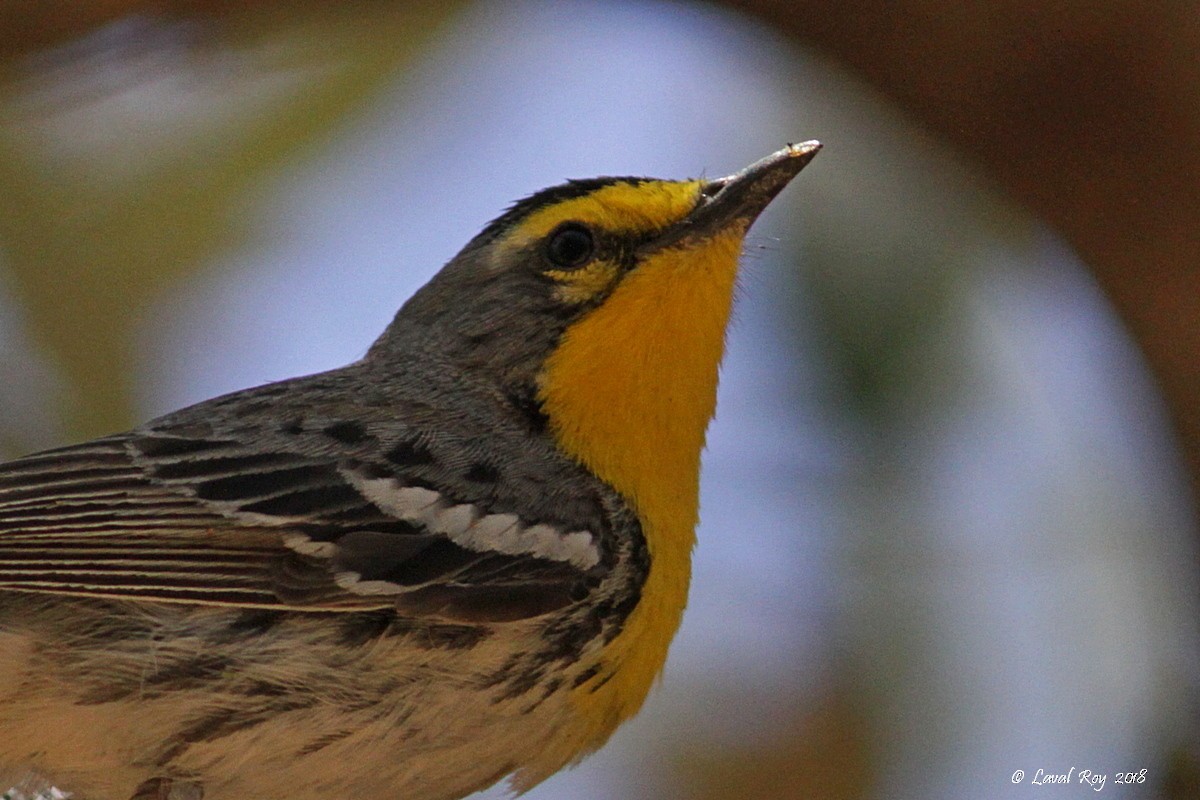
x,y
460,558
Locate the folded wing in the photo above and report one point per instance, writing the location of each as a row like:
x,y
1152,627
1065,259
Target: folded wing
x,y
203,519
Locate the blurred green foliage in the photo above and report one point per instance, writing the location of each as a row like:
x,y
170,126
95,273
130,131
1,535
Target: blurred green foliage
x,y
91,232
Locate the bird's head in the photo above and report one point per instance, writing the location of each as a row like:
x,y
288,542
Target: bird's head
x,y
602,304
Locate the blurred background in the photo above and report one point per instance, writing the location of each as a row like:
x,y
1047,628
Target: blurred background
x,y
947,528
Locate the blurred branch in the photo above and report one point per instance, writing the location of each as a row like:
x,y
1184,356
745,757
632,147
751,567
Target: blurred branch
x,y
29,26
822,753
198,117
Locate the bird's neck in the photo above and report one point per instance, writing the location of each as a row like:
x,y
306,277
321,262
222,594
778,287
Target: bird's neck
x,y
629,392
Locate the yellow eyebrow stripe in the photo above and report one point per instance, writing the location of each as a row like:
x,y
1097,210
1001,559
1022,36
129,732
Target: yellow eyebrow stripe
x,y
622,208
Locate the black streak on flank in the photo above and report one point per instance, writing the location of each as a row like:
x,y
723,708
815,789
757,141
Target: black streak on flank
x,y
322,742
586,675
522,683
181,676
188,674
357,630
264,689
250,624
600,683
347,432
552,686
505,672
568,637
207,729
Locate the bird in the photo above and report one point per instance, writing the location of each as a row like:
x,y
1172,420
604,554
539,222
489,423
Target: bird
x,y
460,559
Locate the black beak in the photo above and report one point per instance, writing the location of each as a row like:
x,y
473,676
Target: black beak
x,y
738,199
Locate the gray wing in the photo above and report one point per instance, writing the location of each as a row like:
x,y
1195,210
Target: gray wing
x,y
201,518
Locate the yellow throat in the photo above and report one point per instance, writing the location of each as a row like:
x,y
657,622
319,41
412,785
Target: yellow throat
x,y
629,392
632,384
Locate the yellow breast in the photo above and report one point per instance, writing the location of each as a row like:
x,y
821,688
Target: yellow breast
x,y
629,392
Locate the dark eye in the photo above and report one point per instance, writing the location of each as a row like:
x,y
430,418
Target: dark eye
x,y
570,245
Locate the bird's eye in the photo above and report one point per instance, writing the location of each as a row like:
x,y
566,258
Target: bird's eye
x,y
570,246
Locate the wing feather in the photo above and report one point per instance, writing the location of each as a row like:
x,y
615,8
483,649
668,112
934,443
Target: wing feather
x,y
176,517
